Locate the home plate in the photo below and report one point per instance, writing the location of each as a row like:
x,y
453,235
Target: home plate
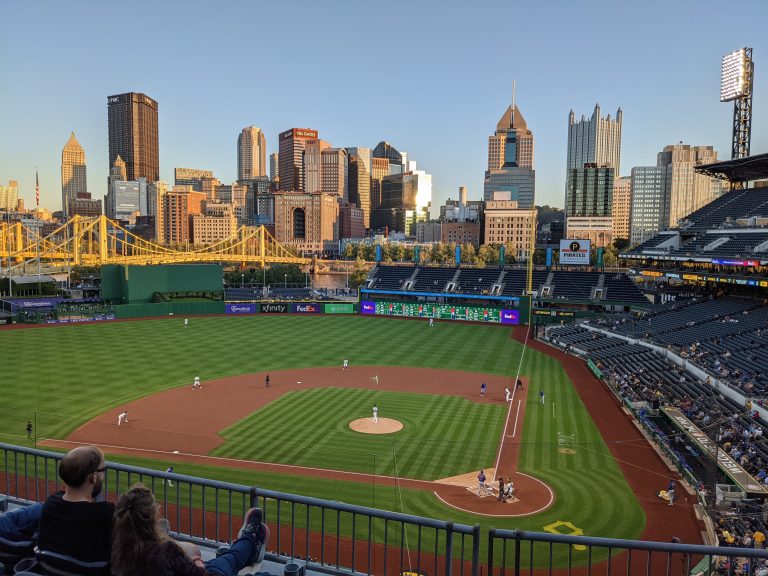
x,y
175,451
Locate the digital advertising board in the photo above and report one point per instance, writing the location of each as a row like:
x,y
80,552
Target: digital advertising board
x,y
441,311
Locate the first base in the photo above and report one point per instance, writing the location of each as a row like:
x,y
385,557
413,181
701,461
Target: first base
x,y
175,451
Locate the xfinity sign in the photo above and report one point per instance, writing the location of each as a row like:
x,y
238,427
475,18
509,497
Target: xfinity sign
x,y
575,252
274,308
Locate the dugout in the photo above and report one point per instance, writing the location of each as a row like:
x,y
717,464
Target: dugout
x,y
124,284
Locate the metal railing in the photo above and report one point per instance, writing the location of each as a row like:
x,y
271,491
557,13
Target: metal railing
x,y
329,536
515,553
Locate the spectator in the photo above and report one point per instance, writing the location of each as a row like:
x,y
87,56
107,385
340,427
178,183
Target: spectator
x,y
72,523
141,546
20,524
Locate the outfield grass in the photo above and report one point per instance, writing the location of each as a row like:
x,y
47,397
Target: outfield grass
x,y
66,375
442,435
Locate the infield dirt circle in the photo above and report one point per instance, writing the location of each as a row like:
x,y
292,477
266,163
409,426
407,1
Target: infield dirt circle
x,y
383,426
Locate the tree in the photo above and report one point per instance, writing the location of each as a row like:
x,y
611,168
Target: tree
x,y
359,273
488,254
468,254
350,251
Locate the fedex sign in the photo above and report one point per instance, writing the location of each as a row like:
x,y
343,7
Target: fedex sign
x,y
367,307
306,308
510,317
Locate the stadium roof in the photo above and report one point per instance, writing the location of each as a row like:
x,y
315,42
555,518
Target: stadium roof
x,y
738,169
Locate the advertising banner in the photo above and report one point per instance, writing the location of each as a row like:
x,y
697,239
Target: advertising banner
x,y
510,317
549,257
77,319
274,308
575,252
306,308
367,307
35,303
339,308
251,308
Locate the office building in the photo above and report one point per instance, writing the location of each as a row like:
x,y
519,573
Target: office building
x,y
313,165
125,200
650,203
84,206
461,210
671,190
379,169
191,177
307,221
291,157
274,168
429,232
350,221
133,135
504,222
174,209
621,205
405,200
217,222
154,191
360,174
510,160
397,161
9,196
596,140
593,164
74,183
687,189
251,153
335,172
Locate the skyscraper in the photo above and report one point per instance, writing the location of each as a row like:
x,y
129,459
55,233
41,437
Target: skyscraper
x,y
73,178
510,160
594,159
291,157
133,135
274,168
335,172
360,181
312,165
251,153
595,141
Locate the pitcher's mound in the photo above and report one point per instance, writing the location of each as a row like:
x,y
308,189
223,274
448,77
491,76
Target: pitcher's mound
x,y
383,426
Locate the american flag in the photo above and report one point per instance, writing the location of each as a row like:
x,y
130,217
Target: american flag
x,y
37,190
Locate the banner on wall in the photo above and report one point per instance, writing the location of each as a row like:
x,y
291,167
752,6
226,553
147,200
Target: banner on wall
x,y
250,308
575,252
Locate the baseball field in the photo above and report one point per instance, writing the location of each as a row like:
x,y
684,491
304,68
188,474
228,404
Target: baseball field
x,y
73,380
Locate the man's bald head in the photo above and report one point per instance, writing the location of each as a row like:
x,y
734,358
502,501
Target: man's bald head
x,y
75,467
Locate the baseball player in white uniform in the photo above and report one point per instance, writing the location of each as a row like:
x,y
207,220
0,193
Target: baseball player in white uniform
x,y
186,321
196,383
122,418
507,394
375,414
375,378
431,322
346,364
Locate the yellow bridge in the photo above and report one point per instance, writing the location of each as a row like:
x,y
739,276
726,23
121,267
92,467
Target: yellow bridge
x,y
97,241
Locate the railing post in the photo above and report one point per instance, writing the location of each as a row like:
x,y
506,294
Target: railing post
x,y
475,551
449,549
518,535
491,538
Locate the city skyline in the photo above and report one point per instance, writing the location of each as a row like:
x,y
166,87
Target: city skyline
x,y
440,112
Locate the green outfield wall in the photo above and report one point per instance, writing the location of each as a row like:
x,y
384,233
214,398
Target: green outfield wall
x,y
136,284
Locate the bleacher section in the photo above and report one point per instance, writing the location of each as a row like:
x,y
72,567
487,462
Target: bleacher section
x,y
734,204
515,281
433,279
618,289
738,244
477,280
389,277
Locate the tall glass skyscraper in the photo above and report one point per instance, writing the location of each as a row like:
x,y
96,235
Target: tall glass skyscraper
x,y
510,160
133,135
251,153
74,183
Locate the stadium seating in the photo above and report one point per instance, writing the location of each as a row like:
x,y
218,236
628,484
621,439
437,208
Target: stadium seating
x,y
389,277
433,279
734,204
477,280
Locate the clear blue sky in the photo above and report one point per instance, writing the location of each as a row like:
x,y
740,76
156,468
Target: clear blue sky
x,y
431,77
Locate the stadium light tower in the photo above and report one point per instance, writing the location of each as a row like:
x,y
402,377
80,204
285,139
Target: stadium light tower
x,y
736,85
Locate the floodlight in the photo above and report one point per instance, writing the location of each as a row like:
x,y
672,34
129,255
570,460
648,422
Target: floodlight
x,y
734,82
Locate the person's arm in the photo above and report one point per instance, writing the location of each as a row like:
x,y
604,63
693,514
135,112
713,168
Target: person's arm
x,y
180,564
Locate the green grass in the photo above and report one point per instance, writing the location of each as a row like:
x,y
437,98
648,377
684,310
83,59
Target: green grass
x,y
442,435
64,376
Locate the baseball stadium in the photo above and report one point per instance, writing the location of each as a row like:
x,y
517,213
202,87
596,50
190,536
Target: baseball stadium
x,y
561,417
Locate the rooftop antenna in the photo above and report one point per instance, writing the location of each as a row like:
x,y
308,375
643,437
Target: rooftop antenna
x,y
513,94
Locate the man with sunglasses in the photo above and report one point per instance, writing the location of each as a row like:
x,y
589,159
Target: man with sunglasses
x,y
73,523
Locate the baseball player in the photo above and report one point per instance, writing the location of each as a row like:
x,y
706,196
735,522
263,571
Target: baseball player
x,y
481,485
671,492
519,384
541,396
122,418
266,381
196,383
169,470
507,394
375,379
29,429
186,322
483,389
431,322
375,414
346,365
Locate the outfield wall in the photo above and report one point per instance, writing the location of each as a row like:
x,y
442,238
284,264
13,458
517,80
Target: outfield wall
x,y
137,284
